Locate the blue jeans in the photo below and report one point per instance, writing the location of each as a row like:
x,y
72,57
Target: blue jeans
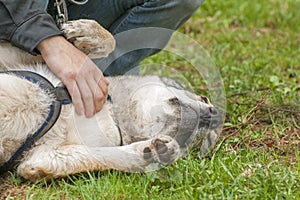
x,y
130,21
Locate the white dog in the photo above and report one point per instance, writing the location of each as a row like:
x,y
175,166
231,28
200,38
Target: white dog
x,y
148,121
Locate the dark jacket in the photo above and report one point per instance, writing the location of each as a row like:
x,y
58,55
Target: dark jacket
x,y
25,23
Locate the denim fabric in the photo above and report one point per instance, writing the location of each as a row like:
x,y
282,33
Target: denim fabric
x,y
44,3
130,21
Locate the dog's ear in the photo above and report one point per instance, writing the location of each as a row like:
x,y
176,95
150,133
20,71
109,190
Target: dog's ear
x,y
204,99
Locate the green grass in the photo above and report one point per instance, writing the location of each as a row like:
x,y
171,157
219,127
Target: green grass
x,y
256,48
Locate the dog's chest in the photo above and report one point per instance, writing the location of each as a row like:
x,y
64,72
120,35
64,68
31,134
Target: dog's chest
x,y
98,131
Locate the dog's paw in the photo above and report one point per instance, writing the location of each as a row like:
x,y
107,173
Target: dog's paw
x,y
163,150
89,37
32,173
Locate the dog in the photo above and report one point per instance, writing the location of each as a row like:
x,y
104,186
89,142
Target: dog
x,y
150,121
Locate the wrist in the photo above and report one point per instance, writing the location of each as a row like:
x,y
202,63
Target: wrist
x,y
48,45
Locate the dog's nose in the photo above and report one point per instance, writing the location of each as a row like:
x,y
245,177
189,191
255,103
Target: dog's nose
x,y
216,117
210,117
213,111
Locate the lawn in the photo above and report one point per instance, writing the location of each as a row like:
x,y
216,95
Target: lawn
x,y
255,49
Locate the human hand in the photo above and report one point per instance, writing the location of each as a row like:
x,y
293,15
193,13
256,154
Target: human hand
x,y
83,79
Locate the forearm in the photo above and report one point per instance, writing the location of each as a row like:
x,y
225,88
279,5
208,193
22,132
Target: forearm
x,y
26,25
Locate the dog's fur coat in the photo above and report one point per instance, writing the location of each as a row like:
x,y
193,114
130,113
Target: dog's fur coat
x,y
150,120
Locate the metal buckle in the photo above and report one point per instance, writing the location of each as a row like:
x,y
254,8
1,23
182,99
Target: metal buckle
x,y
62,12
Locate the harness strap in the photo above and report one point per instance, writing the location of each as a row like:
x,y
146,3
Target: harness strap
x,y
61,96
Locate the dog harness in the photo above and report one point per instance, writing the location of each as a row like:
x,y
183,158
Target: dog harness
x,y
61,97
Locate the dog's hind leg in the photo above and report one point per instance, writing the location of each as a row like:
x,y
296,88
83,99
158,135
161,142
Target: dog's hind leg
x,y
46,162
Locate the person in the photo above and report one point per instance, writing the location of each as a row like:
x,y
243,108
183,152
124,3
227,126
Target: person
x,y
31,26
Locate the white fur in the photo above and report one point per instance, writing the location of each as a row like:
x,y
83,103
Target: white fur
x,y
142,116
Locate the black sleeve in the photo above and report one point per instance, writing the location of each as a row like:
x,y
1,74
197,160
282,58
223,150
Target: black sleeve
x,y
25,23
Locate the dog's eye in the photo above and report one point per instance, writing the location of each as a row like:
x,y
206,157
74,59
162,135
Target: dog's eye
x,y
205,99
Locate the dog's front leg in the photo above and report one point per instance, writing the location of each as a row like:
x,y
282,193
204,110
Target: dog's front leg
x,y
89,37
47,162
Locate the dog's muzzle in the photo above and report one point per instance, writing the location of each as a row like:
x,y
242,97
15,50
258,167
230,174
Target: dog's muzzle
x,y
210,118
202,117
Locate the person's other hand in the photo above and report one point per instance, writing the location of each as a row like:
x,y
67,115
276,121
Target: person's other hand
x,y
83,79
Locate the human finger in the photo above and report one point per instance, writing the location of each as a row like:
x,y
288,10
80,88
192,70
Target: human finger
x,y
76,97
102,84
99,94
87,96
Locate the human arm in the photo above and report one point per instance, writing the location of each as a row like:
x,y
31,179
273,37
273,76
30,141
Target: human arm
x,y
28,26
83,79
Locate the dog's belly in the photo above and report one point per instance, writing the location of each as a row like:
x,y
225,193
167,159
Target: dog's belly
x,y
98,131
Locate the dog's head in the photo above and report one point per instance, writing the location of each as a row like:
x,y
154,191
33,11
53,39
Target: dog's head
x,y
209,116
201,121
209,126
